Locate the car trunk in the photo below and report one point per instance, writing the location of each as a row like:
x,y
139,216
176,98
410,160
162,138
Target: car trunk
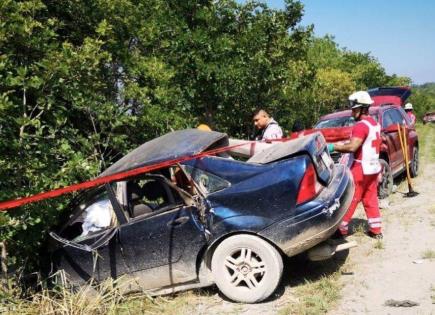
x,y
390,95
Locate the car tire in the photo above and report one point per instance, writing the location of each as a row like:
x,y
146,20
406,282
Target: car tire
x,y
413,167
246,268
385,186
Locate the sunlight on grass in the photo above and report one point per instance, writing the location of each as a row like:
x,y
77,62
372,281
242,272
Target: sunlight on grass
x,y
379,244
425,135
432,289
315,297
428,254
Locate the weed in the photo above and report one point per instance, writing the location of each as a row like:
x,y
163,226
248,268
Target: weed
x,y
379,245
428,254
315,297
432,289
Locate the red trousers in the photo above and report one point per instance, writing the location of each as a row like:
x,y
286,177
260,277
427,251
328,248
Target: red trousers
x,y
366,190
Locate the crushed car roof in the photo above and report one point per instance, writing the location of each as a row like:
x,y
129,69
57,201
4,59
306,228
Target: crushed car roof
x,y
281,150
168,147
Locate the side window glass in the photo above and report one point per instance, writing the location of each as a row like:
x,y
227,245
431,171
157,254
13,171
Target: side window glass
x,y
397,117
387,120
149,195
207,182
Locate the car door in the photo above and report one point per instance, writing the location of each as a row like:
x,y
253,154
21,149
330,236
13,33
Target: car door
x,y
93,253
392,139
398,119
163,245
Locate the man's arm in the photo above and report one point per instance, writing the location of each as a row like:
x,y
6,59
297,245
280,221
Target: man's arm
x,y
350,147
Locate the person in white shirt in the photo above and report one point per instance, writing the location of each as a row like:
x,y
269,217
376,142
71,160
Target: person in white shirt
x,y
267,126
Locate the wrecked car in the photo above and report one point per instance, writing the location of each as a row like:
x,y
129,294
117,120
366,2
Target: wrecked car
x,y
214,219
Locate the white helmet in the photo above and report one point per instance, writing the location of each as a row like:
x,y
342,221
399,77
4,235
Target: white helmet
x,y
360,99
408,106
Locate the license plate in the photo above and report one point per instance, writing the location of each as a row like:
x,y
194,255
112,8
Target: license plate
x,y
327,160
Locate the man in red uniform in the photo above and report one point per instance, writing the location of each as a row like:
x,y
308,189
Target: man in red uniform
x,y
408,109
365,145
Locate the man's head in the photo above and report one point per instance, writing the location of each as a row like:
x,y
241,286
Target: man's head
x,y
360,102
408,107
261,119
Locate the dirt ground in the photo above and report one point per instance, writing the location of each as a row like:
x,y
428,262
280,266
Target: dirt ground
x,y
404,269
401,267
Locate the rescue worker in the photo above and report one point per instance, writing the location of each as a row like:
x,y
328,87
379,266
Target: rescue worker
x,y
266,126
365,145
408,109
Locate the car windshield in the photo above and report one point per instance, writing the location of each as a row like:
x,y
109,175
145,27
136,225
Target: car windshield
x,y
344,121
336,122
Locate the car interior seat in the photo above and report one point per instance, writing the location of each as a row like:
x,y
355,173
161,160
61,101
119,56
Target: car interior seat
x,y
137,206
156,194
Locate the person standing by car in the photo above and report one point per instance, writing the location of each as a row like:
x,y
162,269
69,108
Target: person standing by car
x,y
409,111
365,146
267,127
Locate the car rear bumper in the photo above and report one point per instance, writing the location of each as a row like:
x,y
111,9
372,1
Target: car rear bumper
x,y
316,220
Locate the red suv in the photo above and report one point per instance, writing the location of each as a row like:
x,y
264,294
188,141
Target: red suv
x,y
387,110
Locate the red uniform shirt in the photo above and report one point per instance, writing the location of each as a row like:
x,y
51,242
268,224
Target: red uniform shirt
x,y
360,130
412,117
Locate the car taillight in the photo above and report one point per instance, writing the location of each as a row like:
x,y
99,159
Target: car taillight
x,y
309,186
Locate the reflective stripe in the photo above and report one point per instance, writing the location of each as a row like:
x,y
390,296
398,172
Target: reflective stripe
x,y
375,225
374,220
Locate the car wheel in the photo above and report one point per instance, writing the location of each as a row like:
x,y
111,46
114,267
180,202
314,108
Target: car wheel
x,y
246,268
385,186
414,163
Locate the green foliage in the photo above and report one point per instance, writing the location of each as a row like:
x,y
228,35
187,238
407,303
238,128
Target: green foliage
x,y
83,82
423,99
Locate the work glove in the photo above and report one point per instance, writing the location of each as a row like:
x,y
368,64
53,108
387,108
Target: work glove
x,y
330,147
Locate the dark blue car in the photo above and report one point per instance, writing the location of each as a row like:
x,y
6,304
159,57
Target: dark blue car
x,y
215,219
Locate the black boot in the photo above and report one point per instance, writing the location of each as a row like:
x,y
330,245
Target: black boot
x,y
376,236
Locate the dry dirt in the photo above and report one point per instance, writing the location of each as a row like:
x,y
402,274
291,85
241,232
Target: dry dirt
x,y
401,267
399,271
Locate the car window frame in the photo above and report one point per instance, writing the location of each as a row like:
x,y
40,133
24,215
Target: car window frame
x,y
184,198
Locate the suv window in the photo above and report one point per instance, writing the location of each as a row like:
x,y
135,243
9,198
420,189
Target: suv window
x,y
387,119
397,117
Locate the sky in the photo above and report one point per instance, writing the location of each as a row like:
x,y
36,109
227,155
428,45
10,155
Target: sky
x,y
398,33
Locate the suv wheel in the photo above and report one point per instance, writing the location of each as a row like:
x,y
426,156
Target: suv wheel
x,y
413,167
385,186
246,268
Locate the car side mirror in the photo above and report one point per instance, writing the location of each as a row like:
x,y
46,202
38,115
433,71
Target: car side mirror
x,y
391,128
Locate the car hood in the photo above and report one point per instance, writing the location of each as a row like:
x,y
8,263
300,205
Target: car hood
x,y
168,147
390,95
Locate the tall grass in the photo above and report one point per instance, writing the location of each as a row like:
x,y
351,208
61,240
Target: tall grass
x,y
106,298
